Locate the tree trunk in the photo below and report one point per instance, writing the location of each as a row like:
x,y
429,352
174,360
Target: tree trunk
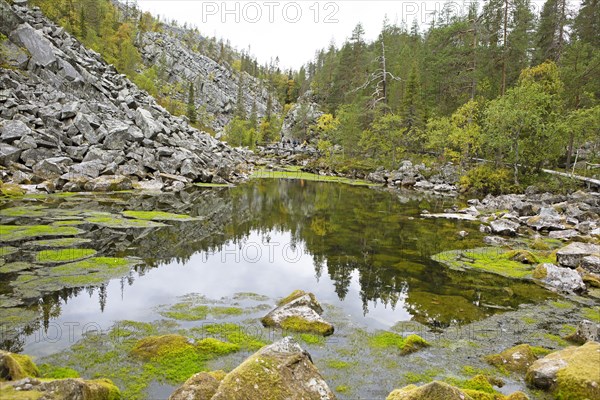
x,y
504,35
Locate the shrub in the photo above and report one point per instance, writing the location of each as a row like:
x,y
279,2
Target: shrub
x,y
486,179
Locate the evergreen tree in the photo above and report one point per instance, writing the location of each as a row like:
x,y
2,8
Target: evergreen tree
x,y
550,35
240,110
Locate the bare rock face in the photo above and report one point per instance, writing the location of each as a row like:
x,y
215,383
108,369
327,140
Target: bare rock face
x,y
573,372
282,370
301,312
572,254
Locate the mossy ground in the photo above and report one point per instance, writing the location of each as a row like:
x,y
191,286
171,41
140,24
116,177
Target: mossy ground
x,y
517,264
390,340
156,216
63,255
12,233
299,324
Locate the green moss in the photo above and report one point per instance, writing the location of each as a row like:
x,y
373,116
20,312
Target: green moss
x,y
70,222
17,366
493,260
233,333
63,255
529,320
561,304
514,359
62,242
390,340
115,222
25,211
11,190
156,216
579,378
293,296
522,256
311,339
299,324
7,251
344,389
338,364
309,177
540,244
556,339
212,348
540,272
107,265
592,313
54,372
11,233
103,389
190,312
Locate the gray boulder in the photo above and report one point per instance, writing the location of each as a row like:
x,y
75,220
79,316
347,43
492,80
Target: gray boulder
x,y
146,122
562,279
572,254
52,167
109,183
13,130
504,227
8,154
40,48
591,264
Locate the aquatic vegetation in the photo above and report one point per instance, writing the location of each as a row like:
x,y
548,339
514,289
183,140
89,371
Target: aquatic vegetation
x,y
16,267
12,233
509,263
426,376
63,255
49,371
344,389
190,312
307,176
245,337
250,296
156,216
299,324
311,339
338,364
17,366
591,313
116,222
557,340
390,340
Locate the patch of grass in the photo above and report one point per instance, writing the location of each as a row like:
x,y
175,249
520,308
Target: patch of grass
x,y
493,260
561,304
344,389
390,340
156,216
49,371
62,242
338,364
299,324
592,313
246,338
191,312
311,339
63,255
556,339
307,176
12,233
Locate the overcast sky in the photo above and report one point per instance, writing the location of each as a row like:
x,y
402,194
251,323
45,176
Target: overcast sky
x,y
292,30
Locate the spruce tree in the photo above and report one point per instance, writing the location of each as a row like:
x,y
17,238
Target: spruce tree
x,y
191,105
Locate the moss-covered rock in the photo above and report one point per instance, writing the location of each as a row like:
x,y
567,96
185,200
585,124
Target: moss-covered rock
x,y
12,233
432,391
522,256
200,386
515,359
571,374
157,216
16,366
299,312
281,370
75,388
390,340
63,255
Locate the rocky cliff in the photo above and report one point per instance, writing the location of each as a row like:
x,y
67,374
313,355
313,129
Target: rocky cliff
x,y
69,120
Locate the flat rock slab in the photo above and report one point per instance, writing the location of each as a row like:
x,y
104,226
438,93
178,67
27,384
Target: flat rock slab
x,y
459,216
572,255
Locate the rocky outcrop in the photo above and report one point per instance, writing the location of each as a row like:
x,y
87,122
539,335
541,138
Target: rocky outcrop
x,y
587,331
572,373
216,83
300,312
68,107
572,255
561,279
300,120
282,370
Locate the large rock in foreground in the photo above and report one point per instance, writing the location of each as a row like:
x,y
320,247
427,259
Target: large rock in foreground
x,y
281,370
558,278
571,373
300,312
433,390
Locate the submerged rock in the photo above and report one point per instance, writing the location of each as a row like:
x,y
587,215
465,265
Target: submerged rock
x,y
572,373
300,312
282,370
573,254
